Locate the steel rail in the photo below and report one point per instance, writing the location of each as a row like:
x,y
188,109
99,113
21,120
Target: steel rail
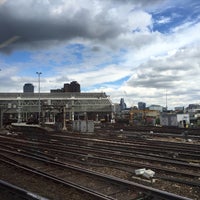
x,y
130,144
131,148
145,144
118,163
130,152
76,153
145,189
20,192
115,137
107,159
126,153
130,155
56,179
123,163
180,163
103,150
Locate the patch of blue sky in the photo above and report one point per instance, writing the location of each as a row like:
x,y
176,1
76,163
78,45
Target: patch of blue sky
x,y
123,51
113,61
166,20
67,56
116,58
56,63
76,50
16,57
31,72
120,81
116,83
101,86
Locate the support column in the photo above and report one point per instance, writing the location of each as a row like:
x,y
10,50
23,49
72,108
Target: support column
x,y
64,119
1,117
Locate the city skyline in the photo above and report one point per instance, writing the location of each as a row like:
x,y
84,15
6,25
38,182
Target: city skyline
x,y
136,50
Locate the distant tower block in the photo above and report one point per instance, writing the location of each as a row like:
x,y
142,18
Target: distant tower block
x,y
28,87
66,87
141,105
72,87
75,86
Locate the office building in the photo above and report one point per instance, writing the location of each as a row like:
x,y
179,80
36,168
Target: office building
x,y
28,87
141,105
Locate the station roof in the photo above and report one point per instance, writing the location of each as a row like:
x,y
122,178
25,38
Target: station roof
x,y
65,95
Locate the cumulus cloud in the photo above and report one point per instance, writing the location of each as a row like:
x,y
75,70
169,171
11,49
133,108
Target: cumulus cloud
x,y
43,23
139,20
175,72
184,62
108,45
2,1
164,20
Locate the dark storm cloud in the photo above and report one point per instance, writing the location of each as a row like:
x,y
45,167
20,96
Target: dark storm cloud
x,y
142,3
95,48
35,23
150,2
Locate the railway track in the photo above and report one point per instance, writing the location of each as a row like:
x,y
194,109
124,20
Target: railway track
x,y
118,153
156,148
167,149
9,192
176,131
108,187
95,153
84,151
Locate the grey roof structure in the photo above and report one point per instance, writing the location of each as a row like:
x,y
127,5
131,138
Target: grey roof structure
x,y
73,102
100,100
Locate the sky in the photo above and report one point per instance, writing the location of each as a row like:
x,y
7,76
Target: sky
x,y
139,50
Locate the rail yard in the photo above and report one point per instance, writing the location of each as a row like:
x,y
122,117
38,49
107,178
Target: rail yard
x,y
107,164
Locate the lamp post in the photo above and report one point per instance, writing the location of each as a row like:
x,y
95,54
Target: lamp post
x,y
39,73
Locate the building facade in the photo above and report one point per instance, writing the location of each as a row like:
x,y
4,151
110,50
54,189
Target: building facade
x,y
28,87
156,107
74,86
141,105
23,106
122,104
168,119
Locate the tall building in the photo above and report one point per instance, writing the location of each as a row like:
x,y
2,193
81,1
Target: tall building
x,y
122,104
141,105
74,86
156,107
28,87
66,87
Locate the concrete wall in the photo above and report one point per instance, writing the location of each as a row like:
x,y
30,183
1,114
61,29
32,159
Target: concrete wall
x,y
168,120
83,126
